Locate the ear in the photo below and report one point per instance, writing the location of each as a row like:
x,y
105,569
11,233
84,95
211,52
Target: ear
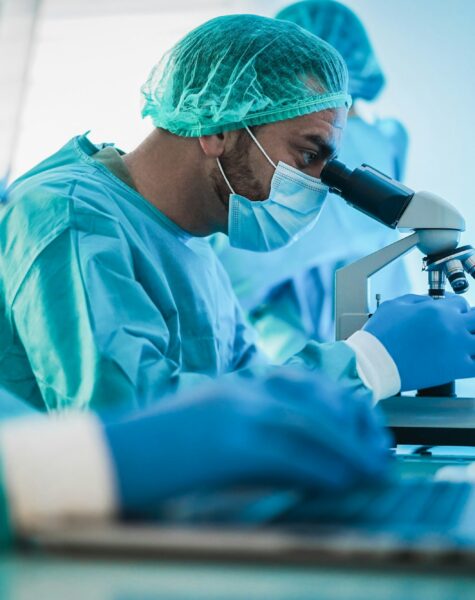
x,y
213,145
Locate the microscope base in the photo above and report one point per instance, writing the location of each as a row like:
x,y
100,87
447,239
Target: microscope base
x,y
431,421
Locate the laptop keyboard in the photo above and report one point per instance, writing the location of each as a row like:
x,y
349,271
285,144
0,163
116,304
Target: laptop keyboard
x,y
422,502
403,506
428,504
445,503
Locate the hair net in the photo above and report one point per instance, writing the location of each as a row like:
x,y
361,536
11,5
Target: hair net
x,y
243,70
340,27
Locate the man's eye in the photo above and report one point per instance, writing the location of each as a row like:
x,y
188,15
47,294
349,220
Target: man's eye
x,y
309,157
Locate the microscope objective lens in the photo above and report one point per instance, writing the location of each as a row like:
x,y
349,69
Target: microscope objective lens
x,y
456,275
469,265
437,281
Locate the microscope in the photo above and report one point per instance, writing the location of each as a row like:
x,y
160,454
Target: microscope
x,y
435,416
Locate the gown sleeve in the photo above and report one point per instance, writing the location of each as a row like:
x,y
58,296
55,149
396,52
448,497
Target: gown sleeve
x,y
336,359
93,337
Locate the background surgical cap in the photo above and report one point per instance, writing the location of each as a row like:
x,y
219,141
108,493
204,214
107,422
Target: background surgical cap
x,y
341,28
242,70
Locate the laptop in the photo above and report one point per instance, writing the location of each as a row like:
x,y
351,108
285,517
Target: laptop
x,y
418,522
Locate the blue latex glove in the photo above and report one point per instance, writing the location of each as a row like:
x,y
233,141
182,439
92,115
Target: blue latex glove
x,y
431,341
289,427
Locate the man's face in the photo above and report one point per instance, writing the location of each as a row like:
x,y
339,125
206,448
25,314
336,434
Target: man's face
x,y
306,143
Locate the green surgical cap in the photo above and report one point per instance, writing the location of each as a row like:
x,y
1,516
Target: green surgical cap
x,y
243,70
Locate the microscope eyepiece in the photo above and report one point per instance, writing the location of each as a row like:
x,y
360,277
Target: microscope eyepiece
x,y
336,175
368,190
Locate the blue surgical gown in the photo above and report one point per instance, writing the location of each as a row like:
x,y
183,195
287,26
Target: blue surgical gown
x,y
289,293
106,303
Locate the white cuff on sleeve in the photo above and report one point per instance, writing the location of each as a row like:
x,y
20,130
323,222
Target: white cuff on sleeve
x,y
56,469
375,367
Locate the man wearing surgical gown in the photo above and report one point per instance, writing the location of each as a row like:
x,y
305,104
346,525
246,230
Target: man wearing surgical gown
x,y
111,294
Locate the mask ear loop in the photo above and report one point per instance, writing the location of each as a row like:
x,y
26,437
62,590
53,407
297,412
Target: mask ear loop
x,y
224,176
258,144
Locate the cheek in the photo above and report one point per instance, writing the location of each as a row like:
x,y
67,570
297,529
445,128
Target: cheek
x,y
256,179
259,186
266,180
290,158
316,168
251,179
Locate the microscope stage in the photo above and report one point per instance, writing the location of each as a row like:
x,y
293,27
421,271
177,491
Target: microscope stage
x,y
432,421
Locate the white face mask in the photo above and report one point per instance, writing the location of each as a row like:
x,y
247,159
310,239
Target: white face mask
x,y
294,204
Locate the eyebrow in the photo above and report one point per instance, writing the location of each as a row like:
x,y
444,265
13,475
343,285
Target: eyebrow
x,y
325,148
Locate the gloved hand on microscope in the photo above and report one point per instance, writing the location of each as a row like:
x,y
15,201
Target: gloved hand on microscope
x,y
430,342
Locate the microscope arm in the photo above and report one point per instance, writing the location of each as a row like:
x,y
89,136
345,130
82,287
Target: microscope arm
x,y
351,301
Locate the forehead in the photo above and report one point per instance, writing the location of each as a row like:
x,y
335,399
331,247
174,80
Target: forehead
x,y
326,123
